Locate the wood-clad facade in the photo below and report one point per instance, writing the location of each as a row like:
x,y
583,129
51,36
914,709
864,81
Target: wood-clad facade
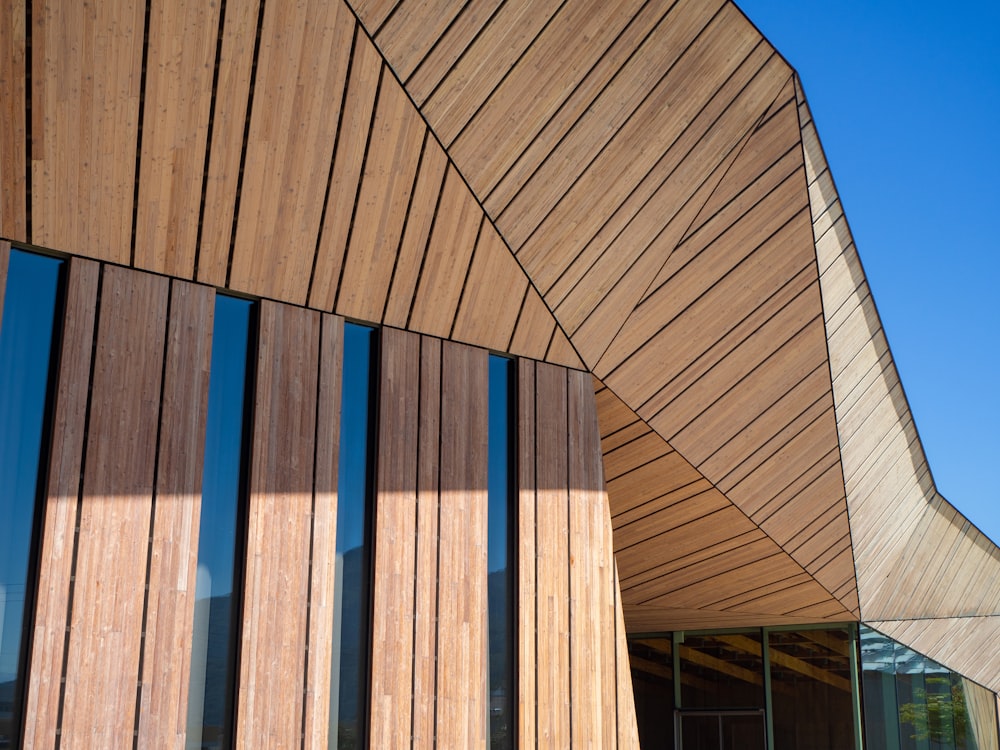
x,y
708,430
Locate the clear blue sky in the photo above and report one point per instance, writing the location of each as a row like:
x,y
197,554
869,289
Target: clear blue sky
x,y
906,98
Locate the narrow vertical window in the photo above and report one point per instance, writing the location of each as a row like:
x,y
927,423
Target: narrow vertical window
x,y
218,591
501,554
27,343
351,642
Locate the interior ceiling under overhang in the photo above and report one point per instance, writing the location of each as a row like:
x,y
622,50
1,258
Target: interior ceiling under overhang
x,y
632,188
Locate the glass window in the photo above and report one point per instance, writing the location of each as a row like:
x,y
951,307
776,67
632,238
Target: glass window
x,y
349,674
914,703
652,664
812,704
218,592
27,342
501,554
724,670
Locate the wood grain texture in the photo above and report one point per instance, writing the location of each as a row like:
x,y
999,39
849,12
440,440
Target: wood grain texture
x,y
552,558
13,135
462,667
180,60
412,30
229,123
86,76
58,529
457,226
177,509
425,640
491,299
393,607
102,665
301,68
279,524
394,153
527,571
322,592
366,71
426,192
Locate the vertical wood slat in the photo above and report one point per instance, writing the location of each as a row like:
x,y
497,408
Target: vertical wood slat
x,y
173,566
301,69
102,666
552,554
86,72
65,459
527,657
425,600
177,101
384,195
395,537
324,534
13,155
345,176
462,627
456,228
628,728
229,114
273,648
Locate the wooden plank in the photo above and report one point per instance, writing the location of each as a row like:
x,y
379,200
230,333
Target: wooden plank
x,y
102,665
426,193
60,518
483,66
561,351
390,170
552,556
462,668
412,30
609,85
493,292
301,70
452,46
508,119
658,209
180,62
374,12
276,582
690,154
13,135
449,252
535,327
587,565
86,73
425,627
614,159
527,656
345,176
322,595
690,280
229,123
173,562
393,601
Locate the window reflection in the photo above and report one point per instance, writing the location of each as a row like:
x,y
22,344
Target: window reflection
x,y
501,576
218,591
349,677
27,341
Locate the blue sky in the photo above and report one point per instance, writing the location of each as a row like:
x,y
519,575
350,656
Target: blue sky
x,y
906,98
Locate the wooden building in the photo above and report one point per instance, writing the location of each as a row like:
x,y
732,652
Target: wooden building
x,y
626,201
